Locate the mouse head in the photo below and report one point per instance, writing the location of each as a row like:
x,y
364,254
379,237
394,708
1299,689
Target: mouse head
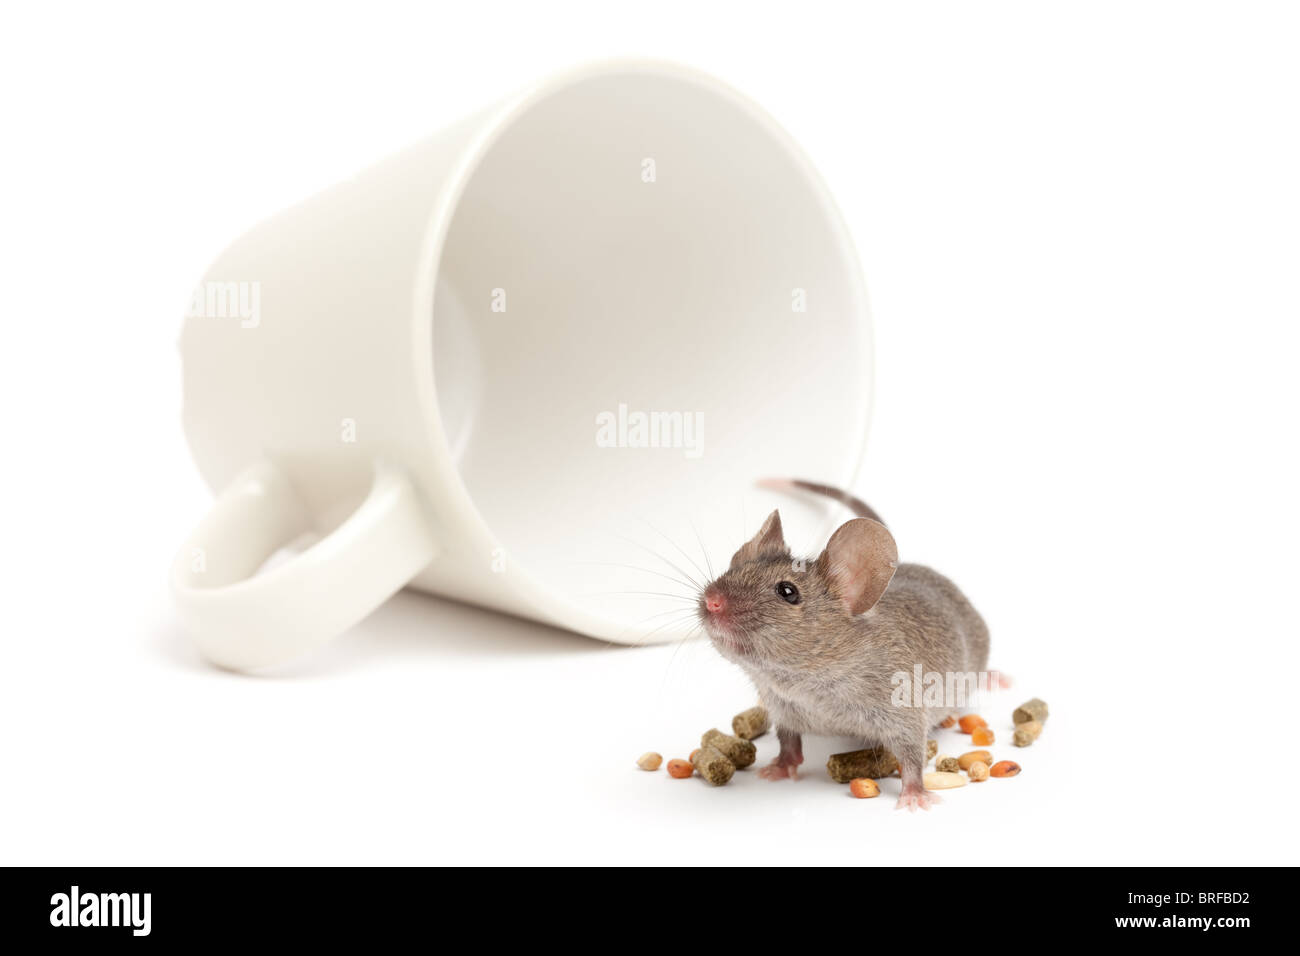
x,y
767,607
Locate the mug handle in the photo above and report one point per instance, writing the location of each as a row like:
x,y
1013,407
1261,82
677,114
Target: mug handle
x,y
241,621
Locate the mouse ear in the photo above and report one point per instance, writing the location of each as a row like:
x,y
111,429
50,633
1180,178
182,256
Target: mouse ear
x,y
768,543
859,562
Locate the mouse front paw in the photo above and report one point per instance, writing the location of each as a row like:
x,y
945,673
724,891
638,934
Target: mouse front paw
x,y
780,769
786,764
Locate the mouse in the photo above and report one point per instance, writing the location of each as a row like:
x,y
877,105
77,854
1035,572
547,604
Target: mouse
x,y
824,639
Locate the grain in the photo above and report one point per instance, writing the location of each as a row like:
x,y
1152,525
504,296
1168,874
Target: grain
x,y
864,788
966,759
943,781
969,722
679,769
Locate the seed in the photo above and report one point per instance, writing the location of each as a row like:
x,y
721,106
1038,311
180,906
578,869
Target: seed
x,y
966,759
943,781
680,769
1030,710
649,761
713,765
969,722
948,721
864,788
931,748
1004,768
947,765
978,771
751,723
741,753
1026,733
981,736
694,756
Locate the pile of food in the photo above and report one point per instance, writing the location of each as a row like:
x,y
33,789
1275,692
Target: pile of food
x,y
720,755
861,768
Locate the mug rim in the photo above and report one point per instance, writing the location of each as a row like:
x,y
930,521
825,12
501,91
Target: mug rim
x,y
560,609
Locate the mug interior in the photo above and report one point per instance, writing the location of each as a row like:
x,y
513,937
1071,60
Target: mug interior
x,y
644,303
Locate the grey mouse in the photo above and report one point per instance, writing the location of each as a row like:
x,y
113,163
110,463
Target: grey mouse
x,y
824,639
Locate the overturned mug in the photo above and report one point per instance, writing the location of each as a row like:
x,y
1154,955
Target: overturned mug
x,y
485,366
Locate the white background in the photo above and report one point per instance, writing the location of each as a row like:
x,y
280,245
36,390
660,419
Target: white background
x,y
1078,223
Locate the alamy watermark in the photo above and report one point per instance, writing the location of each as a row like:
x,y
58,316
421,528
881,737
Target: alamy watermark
x,y
227,300
940,689
102,909
633,429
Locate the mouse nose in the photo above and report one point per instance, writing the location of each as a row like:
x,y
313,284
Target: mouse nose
x,y
714,601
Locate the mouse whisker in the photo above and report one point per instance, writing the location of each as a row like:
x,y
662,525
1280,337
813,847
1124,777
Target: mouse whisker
x,y
685,574
677,646
682,616
703,550
680,549
689,600
633,567
649,634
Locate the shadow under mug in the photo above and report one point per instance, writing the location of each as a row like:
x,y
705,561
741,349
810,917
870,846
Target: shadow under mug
x,y
487,365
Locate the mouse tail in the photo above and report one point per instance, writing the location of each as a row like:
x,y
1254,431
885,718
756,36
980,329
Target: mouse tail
x,y
854,504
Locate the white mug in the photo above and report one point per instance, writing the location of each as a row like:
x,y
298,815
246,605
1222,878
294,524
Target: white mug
x,y
496,365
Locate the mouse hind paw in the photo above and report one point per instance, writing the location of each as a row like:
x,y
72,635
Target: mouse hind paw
x,y
916,799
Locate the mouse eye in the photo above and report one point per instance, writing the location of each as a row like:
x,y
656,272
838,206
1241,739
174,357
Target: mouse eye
x,y
788,592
